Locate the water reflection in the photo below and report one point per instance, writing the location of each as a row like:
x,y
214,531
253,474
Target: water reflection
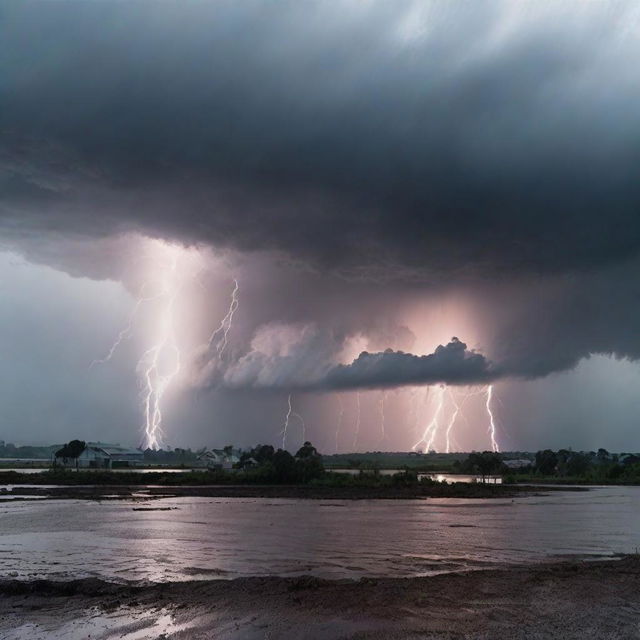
x,y
439,477
224,538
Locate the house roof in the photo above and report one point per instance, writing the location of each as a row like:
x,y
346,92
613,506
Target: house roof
x,y
218,454
114,449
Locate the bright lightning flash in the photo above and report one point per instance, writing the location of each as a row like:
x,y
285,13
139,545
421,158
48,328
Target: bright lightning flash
x,y
452,420
383,395
357,429
492,424
160,364
285,426
339,425
219,338
430,431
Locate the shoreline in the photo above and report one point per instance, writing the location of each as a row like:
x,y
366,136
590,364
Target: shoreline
x,y
571,600
305,492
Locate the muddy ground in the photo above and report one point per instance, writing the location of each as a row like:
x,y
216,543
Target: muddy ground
x,y
572,600
309,492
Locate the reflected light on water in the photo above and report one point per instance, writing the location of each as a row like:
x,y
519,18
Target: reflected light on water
x,y
201,538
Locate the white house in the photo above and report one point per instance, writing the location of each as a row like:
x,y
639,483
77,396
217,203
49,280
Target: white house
x,y
219,459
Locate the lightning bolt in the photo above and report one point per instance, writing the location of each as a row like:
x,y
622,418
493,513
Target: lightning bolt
x,y
458,410
413,409
382,420
126,332
160,363
222,332
164,353
492,424
430,431
285,425
452,421
357,430
302,424
340,416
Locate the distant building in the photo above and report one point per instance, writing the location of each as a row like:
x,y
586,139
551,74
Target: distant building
x,y
101,455
517,464
219,458
249,463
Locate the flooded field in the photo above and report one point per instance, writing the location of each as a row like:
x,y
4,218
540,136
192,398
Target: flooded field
x,y
195,538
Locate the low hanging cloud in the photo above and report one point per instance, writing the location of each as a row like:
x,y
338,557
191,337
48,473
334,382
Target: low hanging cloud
x,y
449,364
306,363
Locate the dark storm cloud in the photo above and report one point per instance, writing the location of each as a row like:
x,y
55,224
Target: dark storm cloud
x,y
305,364
450,364
535,327
431,139
428,142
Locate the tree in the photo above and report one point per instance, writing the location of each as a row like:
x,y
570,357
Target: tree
x,y
546,462
307,450
309,463
72,450
578,464
486,463
284,466
261,453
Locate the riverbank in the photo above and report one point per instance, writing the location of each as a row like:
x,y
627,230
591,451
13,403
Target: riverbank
x,y
572,480
573,600
131,485
309,491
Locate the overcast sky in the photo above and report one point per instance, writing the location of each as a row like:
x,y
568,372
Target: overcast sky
x,y
408,195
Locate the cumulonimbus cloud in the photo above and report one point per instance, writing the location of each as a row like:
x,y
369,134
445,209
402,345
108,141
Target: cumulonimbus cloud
x,y
418,137
305,365
419,140
451,364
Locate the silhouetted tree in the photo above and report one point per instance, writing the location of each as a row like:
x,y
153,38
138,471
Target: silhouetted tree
x,y
578,464
308,463
485,464
71,450
546,462
284,467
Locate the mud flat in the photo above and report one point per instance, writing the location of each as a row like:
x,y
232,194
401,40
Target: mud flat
x,y
147,491
569,600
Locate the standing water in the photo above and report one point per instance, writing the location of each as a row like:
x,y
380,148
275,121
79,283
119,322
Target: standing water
x,y
195,538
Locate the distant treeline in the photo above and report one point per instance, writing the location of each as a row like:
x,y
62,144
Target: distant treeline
x,y
565,465
8,450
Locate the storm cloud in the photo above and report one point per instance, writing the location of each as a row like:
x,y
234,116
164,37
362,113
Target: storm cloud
x,y
450,364
377,176
422,140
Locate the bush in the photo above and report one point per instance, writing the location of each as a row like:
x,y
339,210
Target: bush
x,y
404,479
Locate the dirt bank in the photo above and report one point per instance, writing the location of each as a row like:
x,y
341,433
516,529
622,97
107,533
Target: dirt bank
x,y
313,492
572,601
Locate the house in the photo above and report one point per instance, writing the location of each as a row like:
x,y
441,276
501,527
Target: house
x,y
219,458
249,463
99,455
